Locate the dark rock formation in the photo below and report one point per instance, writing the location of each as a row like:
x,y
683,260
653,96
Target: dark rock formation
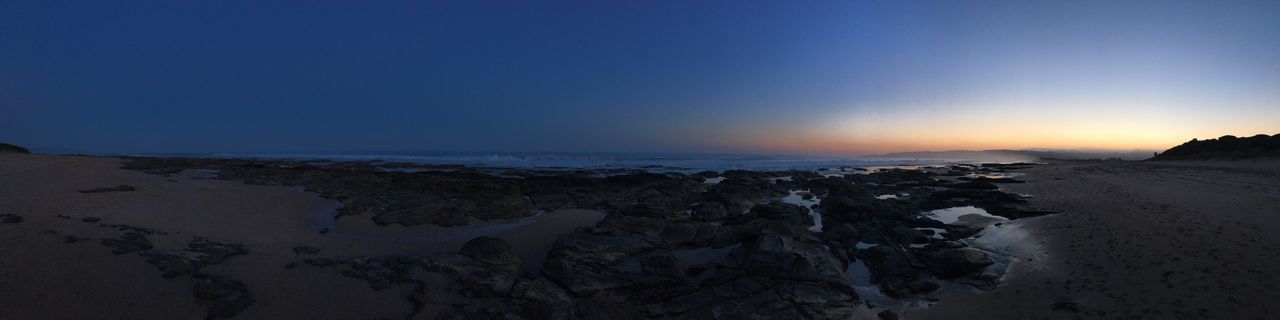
x,y
119,188
1225,148
10,218
199,253
953,263
306,250
671,246
226,298
9,148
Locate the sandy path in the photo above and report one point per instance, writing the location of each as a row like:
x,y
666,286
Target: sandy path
x,y
1143,241
84,280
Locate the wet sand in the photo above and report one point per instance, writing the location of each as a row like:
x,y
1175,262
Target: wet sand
x,y
1195,240
84,280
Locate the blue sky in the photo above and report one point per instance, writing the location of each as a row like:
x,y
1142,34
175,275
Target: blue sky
x,y
845,77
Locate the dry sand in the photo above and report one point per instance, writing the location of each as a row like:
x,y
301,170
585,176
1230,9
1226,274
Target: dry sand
x,y
43,278
1196,240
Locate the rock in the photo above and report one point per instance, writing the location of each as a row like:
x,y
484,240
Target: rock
x,y
887,315
1067,305
978,185
90,219
9,148
173,264
783,212
710,211
786,257
672,246
306,250
119,188
953,263
490,250
228,297
910,235
129,243
10,218
200,253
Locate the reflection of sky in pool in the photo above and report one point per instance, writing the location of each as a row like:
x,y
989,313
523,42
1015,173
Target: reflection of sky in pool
x,y
797,198
951,215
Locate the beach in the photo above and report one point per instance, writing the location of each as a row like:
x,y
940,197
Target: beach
x,y
83,280
1163,240
1091,240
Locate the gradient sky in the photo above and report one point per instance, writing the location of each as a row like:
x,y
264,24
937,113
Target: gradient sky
x,y
840,77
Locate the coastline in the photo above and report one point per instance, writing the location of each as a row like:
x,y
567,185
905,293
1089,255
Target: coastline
x,y
273,221
1149,240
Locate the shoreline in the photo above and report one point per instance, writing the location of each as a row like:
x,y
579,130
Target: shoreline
x,y
361,245
1185,239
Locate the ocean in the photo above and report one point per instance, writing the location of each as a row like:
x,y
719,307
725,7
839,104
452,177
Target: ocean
x,y
657,162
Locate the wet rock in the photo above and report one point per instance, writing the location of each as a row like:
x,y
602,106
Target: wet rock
x,y
783,212
672,246
953,263
710,211
490,250
200,252
977,185
897,272
790,258
1067,305
306,250
119,188
226,298
910,235
173,264
994,180
10,218
128,243
887,315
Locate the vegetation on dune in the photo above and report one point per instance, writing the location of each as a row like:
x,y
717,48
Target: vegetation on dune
x,y
1225,148
9,148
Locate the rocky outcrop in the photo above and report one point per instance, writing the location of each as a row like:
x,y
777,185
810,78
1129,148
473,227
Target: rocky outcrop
x,y
1225,148
951,263
225,298
672,245
9,148
10,218
119,188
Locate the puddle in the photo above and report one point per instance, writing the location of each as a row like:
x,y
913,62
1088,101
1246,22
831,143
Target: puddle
x,y
715,180
937,233
953,215
863,245
797,198
995,175
892,196
833,173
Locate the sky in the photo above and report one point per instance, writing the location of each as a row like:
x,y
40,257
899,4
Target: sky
x,y
808,77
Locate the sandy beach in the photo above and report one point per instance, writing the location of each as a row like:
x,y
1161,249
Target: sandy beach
x,y
1166,240
84,280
